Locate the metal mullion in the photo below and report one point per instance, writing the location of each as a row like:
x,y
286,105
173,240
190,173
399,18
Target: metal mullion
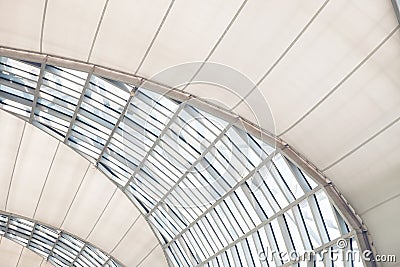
x,y
112,113
184,210
194,242
242,208
203,239
205,117
166,161
286,234
193,165
148,189
298,175
209,235
145,99
105,93
59,73
144,174
130,149
255,229
15,98
78,105
14,72
188,147
147,123
54,100
237,228
148,99
155,143
318,218
53,112
161,165
259,245
230,161
195,202
193,248
258,208
124,136
177,222
120,160
115,126
219,222
109,162
217,229
18,87
54,245
176,155
248,251
88,140
301,227
48,85
243,224
77,256
189,252
206,163
249,175
93,120
168,222
91,127
279,180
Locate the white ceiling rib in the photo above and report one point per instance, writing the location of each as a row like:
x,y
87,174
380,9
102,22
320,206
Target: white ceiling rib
x,y
290,107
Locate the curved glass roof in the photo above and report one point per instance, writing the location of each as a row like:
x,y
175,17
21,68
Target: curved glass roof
x,y
213,193
56,246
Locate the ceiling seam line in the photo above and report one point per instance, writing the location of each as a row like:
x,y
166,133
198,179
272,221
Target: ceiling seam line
x,y
43,23
147,255
45,181
126,233
192,166
380,204
19,258
101,214
263,223
155,36
219,40
97,30
362,144
15,163
341,82
76,193
298,36
223,197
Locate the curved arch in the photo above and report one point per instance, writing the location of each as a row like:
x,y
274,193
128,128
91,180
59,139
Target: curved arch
x,y
55,245
152,196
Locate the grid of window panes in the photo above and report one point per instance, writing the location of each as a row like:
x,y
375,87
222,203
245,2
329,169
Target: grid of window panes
x,y
214,194
59,248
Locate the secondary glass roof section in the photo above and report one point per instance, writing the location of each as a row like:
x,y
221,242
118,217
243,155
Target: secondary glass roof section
x,y
214,194
54,245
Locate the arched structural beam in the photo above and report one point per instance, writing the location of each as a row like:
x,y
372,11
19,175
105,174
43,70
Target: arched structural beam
x,y
55,245
162,147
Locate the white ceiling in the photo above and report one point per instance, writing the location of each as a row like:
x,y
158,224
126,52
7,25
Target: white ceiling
x,y
329,70
45,180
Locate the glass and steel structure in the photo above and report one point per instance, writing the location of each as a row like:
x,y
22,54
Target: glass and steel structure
x,y
213,193
56,246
